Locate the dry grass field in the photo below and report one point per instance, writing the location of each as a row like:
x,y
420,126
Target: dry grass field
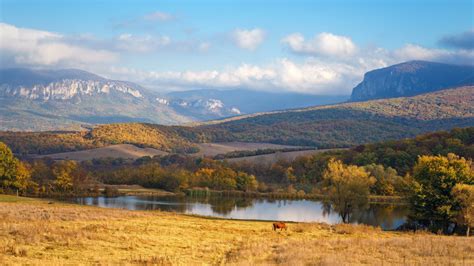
x,y
126,151
37,232
213,149
273,157
129,151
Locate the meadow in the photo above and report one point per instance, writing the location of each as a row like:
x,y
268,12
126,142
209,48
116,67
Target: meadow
x,y
34,231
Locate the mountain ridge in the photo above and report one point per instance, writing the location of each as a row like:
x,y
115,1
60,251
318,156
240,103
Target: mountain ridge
x,y
348,123
64,99
411,78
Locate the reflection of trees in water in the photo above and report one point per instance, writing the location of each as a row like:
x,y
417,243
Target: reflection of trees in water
x,y
167,203
219,204
387,216
225,205
327,208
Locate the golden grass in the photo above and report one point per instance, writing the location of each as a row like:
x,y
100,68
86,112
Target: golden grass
x,y
36,232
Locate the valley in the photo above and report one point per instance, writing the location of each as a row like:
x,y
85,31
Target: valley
x,y
236,132
129,151
331,126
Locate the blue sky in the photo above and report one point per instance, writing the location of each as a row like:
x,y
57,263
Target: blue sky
x,y
307,46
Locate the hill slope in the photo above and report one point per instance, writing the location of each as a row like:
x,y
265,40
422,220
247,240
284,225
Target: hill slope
x,y
352,123
411,78
339,125
159,137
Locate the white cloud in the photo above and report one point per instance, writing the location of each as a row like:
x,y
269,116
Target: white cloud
x,y
323,44
417,52
315,75
312,76
142,44
248,39
333,64
34,47
159,16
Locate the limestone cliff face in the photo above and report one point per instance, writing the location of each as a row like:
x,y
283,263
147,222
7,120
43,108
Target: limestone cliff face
x,y
68,89
411,78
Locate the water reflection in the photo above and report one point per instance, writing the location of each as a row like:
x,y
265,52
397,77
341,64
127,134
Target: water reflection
x,y
384,215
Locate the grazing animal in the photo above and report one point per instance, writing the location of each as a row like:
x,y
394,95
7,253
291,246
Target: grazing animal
x,y
279,225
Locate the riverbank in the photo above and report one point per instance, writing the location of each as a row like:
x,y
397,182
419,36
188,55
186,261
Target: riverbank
x,y
136,190
283,195
36,231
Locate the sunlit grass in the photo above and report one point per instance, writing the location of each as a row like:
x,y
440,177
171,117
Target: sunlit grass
x,y
36,232
12,198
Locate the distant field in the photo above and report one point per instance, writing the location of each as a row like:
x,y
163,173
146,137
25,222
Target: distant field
x,y
126,151
213,149
34,232
273,157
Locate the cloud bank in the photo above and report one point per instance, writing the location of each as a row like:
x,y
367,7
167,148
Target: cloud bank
x,y
464,40
324,64
20,46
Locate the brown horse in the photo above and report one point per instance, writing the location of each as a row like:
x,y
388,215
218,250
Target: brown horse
x,y
279,225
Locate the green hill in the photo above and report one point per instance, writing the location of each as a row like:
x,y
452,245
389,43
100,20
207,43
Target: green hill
x,y
351,123
341,125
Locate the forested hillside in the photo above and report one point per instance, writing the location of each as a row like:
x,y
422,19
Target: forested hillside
x,y
341,125
352,123
142,135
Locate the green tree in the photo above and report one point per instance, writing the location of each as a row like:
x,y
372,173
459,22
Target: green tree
x,y
432,202
13,173
347,187
246,182
464,194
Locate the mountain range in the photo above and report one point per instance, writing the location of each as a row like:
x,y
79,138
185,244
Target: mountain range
x,y
69,99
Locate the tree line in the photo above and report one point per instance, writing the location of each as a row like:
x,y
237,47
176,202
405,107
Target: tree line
x,y
431,171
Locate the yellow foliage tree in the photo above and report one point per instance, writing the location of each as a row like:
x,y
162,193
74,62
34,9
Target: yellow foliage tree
x,y
464,194
347,187
63,173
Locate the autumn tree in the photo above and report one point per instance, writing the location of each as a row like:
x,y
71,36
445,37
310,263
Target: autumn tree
x,y
246,182
464,194
13,173
347,187
387,179
432,202
219,178
63,174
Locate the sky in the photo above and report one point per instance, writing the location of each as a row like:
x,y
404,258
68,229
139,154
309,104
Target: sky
x,y
317,47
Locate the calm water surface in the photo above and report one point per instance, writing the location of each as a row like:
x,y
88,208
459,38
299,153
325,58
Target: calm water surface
x,y
387,216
